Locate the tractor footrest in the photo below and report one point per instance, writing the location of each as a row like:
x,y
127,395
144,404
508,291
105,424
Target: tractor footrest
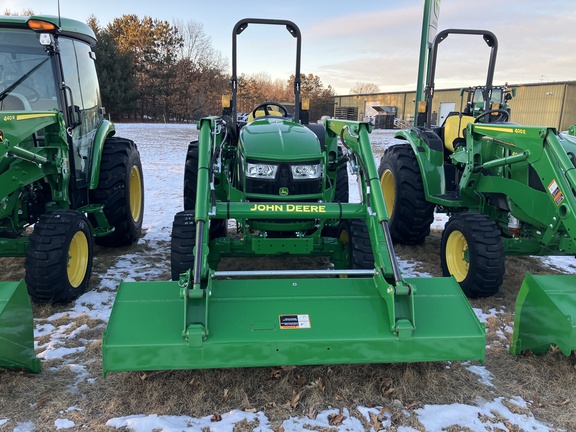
x,y
258,322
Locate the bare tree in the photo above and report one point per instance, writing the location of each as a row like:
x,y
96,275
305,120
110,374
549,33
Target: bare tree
x,y
364,88
201,76
25,12
197,45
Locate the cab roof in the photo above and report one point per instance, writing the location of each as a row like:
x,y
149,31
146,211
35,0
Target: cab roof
x,y
68,27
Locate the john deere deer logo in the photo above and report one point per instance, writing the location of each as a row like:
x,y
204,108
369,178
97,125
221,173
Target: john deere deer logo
x,y
283,191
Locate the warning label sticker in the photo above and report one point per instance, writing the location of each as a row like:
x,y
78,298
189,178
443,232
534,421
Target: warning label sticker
x,y
556,192
294,322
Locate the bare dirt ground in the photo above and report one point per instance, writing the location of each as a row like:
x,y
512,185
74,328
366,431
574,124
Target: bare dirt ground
x,y
547,383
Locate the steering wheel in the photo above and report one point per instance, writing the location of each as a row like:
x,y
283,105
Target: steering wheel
x,y
266,107
32,95
501,113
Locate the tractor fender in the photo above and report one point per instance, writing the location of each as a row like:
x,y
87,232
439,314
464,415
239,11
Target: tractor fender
x,y
428,149
105,130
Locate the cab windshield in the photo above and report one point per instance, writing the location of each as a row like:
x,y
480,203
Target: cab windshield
x,y
495,99
27,78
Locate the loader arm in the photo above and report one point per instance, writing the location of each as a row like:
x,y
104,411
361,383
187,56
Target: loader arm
x,y
501,163
388,278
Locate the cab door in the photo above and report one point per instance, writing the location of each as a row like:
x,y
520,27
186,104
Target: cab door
x,y
83,99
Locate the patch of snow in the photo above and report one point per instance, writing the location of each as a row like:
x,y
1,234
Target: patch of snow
x,y
483,316
64,424
485,376
436,418
24,427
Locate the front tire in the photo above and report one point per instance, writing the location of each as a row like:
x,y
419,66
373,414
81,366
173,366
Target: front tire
x,y
473,252
401,181
121,190
182,243
356,238
59,257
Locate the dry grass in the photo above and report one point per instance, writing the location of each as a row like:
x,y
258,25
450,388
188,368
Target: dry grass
x,y
546,382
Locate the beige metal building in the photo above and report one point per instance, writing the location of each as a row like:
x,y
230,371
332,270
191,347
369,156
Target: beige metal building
x,y
543,104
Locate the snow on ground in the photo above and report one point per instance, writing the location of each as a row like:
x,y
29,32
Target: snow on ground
x,y
163,150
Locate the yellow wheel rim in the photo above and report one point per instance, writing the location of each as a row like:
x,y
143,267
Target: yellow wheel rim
x,y
78,255
388,190
457,255
135,193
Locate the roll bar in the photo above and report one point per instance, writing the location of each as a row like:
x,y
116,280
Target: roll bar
x,y
294,31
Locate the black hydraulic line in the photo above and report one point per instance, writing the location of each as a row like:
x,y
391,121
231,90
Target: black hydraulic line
x,y
198,256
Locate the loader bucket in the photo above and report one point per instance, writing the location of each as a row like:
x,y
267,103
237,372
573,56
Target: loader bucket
x,y
545,314
16,328
293,321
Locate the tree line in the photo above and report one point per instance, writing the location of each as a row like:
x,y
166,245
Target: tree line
x,y
152,70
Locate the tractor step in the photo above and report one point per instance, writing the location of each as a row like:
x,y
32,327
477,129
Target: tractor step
x,y
545,314
17,328
259,322
449,196
102,227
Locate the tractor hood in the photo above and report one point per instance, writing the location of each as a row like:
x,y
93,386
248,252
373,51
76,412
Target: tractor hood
x,y
279,140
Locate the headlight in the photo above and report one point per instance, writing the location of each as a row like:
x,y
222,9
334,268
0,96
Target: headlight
x,y
300,172
259,170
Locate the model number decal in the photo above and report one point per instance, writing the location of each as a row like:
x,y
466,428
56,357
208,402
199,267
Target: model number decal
x,y
520,131
9,117
289,208
288,322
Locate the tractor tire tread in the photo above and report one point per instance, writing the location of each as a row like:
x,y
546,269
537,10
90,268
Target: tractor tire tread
x,y
412,215
487,266
46,257
118,158
182,243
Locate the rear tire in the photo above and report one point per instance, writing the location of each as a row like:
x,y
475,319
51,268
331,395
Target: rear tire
x,y
191,176
473,252
59,257
121,190
409,212
342,190
341,195
182,244
218,227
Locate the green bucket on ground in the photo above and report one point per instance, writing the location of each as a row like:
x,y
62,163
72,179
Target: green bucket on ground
x,y
274,322
17,328
545,314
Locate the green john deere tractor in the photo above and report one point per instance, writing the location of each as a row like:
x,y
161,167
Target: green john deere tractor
x,y
284,183
65,179
476,96
508,189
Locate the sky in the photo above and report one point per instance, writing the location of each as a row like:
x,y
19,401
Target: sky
x,y
345,42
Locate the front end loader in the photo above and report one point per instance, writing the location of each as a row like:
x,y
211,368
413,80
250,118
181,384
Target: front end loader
x,y
285,185
508,190
66,181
